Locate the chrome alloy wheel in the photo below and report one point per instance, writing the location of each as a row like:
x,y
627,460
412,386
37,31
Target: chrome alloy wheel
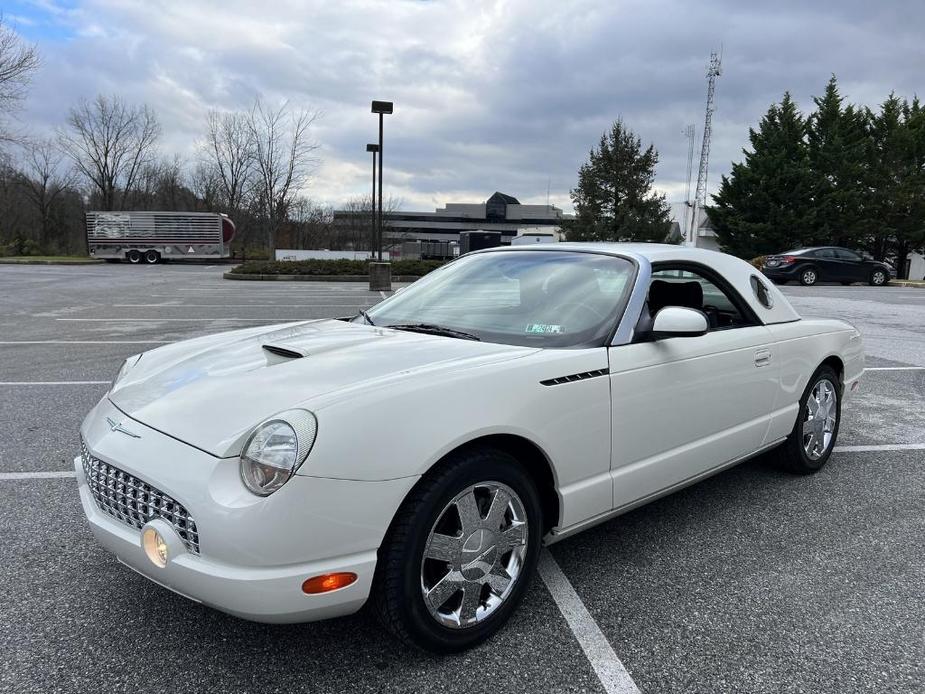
x,y
474,554
821,416
809,277
878,278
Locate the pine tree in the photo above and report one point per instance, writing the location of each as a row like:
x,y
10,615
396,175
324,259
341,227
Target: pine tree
x,y
895,209
837,142
765,205
614,200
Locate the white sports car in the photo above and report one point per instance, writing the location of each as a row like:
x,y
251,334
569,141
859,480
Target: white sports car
x,y
418,455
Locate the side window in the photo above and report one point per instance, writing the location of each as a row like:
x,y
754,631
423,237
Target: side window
x,y
847,255
826,253
684,287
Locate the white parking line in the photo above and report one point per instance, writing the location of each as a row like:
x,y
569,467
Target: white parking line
x,y
875,448
894,368
607,666
86,342
382,294
302,305
36,475
55,383
278,319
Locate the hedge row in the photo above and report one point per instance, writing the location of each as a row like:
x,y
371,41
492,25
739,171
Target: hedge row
x,y
331,267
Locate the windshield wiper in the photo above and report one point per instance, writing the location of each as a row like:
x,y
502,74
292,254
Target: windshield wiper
x,y
432,329
366,317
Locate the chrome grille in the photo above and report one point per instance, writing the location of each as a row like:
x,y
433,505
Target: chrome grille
x,y
133,501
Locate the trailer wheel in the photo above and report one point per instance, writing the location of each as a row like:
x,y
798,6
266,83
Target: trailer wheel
x,y
134,257
152,257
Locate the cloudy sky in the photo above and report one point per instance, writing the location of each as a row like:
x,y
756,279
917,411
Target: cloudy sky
x,y
503,95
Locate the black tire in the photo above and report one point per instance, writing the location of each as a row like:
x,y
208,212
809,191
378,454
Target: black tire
x,y
133,256
878,278
152,257
809,276
397,588
793,455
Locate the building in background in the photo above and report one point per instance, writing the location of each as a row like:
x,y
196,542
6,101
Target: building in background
x,y
502,213
703,235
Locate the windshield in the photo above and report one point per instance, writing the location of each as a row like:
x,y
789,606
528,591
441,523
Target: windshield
x,y
533,298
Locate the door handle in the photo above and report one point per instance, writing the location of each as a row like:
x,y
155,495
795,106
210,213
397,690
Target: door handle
x,y
762,357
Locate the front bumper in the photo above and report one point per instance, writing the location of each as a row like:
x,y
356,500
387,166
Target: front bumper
x,y
254,552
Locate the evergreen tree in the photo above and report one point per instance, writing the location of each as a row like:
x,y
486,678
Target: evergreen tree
x,y
765,205
837,143
614,200
895,208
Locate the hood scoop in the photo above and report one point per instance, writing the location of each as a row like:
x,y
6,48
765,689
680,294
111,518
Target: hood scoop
x,y
283,353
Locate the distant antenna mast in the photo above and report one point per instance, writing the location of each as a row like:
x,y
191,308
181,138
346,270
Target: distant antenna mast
x,y
548,182
690,133
714,70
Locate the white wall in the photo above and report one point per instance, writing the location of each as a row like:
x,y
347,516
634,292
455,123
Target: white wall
x,y
916,266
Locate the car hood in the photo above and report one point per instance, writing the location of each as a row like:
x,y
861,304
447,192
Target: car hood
x,y
210,392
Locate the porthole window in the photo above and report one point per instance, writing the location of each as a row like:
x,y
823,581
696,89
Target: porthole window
x,y
761,292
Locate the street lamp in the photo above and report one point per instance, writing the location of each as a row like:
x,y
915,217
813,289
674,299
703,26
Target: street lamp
x,y
374,148
380,107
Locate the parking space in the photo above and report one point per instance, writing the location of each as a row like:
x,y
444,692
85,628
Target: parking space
x,y
753,580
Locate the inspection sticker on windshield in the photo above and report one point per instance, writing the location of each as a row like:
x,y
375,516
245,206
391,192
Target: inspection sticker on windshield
x,y
544,329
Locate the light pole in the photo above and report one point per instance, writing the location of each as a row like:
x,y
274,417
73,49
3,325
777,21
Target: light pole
x,y
380,107
374,148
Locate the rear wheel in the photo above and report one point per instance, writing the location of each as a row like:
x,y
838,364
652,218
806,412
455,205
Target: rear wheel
x,y
134,257
810,444
809,277
460,553
878,278
152,257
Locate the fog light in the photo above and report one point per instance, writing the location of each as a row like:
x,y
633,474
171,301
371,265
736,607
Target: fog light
x,y
155,547
328,582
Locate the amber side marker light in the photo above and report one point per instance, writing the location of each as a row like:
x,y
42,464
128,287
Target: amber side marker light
x,y
328,582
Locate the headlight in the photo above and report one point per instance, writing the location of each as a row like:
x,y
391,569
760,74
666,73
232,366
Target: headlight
x,y
276,449
127,366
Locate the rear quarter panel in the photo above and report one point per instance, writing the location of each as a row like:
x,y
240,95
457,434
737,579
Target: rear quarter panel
x,y
801,346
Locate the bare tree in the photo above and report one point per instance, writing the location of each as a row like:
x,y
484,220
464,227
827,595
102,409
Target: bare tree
x,y
18,61
206,185
44,180
283,160
229,149
110,143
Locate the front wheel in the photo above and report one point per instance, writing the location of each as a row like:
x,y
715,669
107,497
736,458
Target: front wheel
x,y
878,278
809,277
810,444
460,553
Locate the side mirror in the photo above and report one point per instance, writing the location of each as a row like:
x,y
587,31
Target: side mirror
x,y
678,321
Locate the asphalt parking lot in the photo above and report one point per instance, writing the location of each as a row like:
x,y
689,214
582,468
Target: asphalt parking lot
x,y
752,581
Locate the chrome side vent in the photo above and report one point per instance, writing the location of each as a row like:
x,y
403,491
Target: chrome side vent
x,y
285,352
571,378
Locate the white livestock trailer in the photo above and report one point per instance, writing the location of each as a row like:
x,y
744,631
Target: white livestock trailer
x,y
150,237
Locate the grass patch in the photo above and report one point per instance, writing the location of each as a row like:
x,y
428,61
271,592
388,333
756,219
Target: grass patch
x,y
331,267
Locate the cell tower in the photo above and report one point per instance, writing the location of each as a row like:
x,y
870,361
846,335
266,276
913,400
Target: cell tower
x,y
714,70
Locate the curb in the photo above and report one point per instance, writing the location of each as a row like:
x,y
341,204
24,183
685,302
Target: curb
x,y
907,283
313,278
88,261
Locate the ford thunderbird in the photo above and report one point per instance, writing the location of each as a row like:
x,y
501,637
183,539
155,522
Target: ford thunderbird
x,y
418,455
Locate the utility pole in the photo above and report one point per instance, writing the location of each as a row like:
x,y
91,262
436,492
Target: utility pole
x,y
690,133
714,70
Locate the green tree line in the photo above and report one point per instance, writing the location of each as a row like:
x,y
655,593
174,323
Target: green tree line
x,y
843,175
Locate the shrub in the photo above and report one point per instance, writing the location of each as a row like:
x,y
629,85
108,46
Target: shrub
x,y
331,267
758,262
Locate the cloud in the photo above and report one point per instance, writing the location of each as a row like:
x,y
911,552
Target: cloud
x,y
489,95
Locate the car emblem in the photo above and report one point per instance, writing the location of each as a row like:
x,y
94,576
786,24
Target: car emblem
x,y
117,426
